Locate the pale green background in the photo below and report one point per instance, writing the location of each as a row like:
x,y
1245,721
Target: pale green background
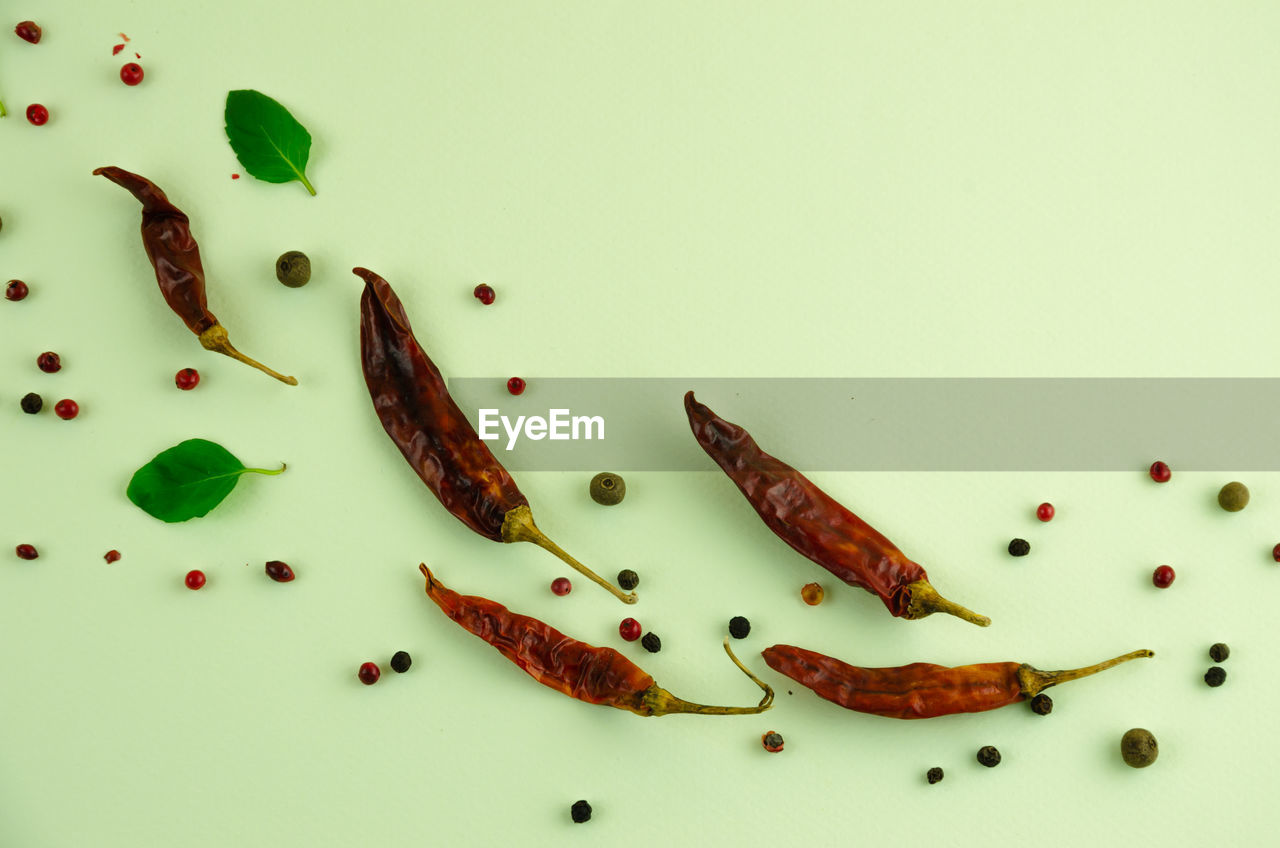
x,y
655,189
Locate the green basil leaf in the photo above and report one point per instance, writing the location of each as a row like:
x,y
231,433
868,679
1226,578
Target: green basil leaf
x,y
268,141
187,480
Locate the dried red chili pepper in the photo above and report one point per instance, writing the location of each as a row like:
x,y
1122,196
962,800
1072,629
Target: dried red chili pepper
x,y
166,235
582,671
816,525
418,414
922,690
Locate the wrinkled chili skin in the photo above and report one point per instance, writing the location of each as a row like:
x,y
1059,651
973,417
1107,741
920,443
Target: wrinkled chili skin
x,y
418,414
804,516
166,235
919,690
579,670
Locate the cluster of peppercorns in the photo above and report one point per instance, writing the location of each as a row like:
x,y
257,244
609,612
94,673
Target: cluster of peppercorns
x,y
1021,547
369,672
196,579
48,362
988,755
1217,675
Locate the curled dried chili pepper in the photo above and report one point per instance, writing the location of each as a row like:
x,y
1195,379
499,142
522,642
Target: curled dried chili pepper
x,y
166,235
418,414
582,671
818,526
923,690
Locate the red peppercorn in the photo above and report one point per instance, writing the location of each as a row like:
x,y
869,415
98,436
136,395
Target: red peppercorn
x,y
1044,512
29,31
1275,553
515,385
369,673
131,74
485,294
772,742
279,571
561,586
37,114
66,409
112,556
1162,577
195,579
49,362
16,290
1160,472
26,552
187,379
629,629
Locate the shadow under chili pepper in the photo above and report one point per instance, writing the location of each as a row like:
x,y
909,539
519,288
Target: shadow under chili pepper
x,y
418,413
577,669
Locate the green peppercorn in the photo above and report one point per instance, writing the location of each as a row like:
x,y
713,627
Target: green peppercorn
x,y
1042,704
933,775
628,579
293,269
580,812
739,627
1139,748
1215,676
1219,652
607,489
1233,497
1019,547
651,643
989,756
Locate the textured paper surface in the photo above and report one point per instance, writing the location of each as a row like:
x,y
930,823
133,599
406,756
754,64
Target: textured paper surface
x,y
657,190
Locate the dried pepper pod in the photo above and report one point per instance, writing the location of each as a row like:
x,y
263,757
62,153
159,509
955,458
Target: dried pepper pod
x,y
816,525
582,671
923,690
422,419
166,235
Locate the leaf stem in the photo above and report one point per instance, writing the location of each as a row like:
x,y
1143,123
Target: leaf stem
x,y
307,183
279,470
2,110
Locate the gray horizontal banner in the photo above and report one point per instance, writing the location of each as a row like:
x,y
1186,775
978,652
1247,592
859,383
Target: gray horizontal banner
x,y
886,424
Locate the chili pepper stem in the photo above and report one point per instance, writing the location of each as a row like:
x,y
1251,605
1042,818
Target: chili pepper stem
x,y
925,600
658,701
215,339
518,526
1033,681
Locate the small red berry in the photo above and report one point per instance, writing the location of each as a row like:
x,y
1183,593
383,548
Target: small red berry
x,y
187,379
772,741
1044,512
29,31
1160,472
66,409
49,362
279,571
629,629
26,552
485,294
1162,577
112,556
131,74
1275,553
515,385
37,114
561,586
16,290
195,579
369,673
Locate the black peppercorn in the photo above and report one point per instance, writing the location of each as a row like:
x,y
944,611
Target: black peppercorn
x,y
989,756
1019,547
401,661
651,643
1219,652
1042,704
1139,748
293,269
1215,676
31,403
628,579
933,775
739,627
607,489
581,811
